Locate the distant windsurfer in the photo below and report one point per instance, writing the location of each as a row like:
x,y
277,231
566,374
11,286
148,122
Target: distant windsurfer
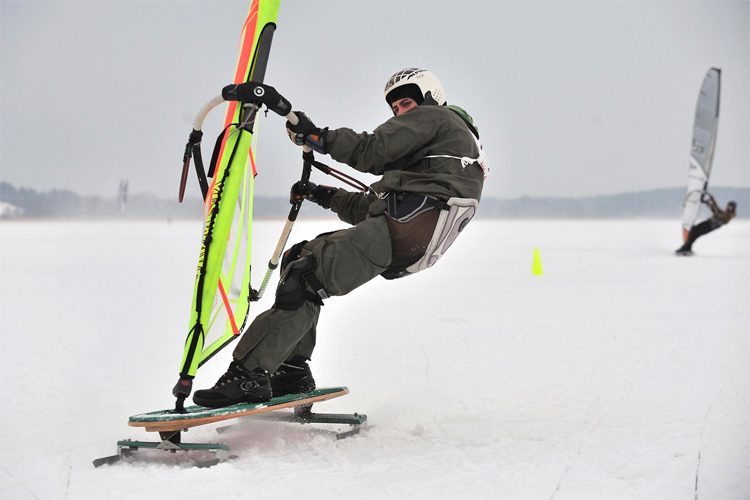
x,y
122,194
719,218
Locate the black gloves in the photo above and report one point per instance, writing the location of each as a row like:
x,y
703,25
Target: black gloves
x,y
707,198
319,194
305,133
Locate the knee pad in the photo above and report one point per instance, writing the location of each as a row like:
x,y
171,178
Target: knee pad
x,y
292,291
292,254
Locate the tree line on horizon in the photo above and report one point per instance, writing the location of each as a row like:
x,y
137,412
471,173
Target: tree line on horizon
x,y
666,203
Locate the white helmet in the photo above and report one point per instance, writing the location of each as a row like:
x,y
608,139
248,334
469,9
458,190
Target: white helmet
x,y
415,83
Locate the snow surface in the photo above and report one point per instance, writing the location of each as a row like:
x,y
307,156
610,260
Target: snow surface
x,y
622,373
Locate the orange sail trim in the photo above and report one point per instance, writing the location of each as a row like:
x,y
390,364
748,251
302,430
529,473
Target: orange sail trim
x,y
244,63
252,17
246,40
224,297
239,77
228,307
252,161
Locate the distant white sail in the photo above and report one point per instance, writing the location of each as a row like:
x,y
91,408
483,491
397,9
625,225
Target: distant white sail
x,y
122,194
702,150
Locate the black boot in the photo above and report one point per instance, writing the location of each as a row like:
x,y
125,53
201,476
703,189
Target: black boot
x,y
236,386
292,377
685,249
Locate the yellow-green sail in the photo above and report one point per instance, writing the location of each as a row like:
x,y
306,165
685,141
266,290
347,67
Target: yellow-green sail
x,y
222,288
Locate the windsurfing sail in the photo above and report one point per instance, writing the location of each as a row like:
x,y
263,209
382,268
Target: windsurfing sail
x,y
122,195
702,150
222,292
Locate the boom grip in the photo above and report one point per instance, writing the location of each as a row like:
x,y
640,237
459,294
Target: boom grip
x,y
263,94
258,93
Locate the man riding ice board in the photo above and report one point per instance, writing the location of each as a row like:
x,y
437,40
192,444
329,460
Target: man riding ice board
x,y
720,217
433,169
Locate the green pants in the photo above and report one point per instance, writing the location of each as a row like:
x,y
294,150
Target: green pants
x,y
345,260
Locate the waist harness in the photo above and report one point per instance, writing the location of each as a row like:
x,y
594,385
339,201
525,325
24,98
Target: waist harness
x,y
422,229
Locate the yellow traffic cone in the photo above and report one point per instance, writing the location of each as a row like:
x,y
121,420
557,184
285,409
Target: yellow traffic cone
x,y
536,267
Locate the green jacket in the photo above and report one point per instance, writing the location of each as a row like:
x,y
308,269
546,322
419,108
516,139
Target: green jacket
x,y
397,149
719,216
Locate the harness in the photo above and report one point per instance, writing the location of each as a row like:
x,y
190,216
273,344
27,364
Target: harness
x,y
482,160
422,228
420,234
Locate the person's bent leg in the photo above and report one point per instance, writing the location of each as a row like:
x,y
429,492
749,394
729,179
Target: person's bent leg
x,y
339,263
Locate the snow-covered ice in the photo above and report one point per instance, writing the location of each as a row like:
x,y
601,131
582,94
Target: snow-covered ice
x,y
621,373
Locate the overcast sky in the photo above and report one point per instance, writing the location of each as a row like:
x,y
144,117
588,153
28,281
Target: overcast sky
x,y
571,98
